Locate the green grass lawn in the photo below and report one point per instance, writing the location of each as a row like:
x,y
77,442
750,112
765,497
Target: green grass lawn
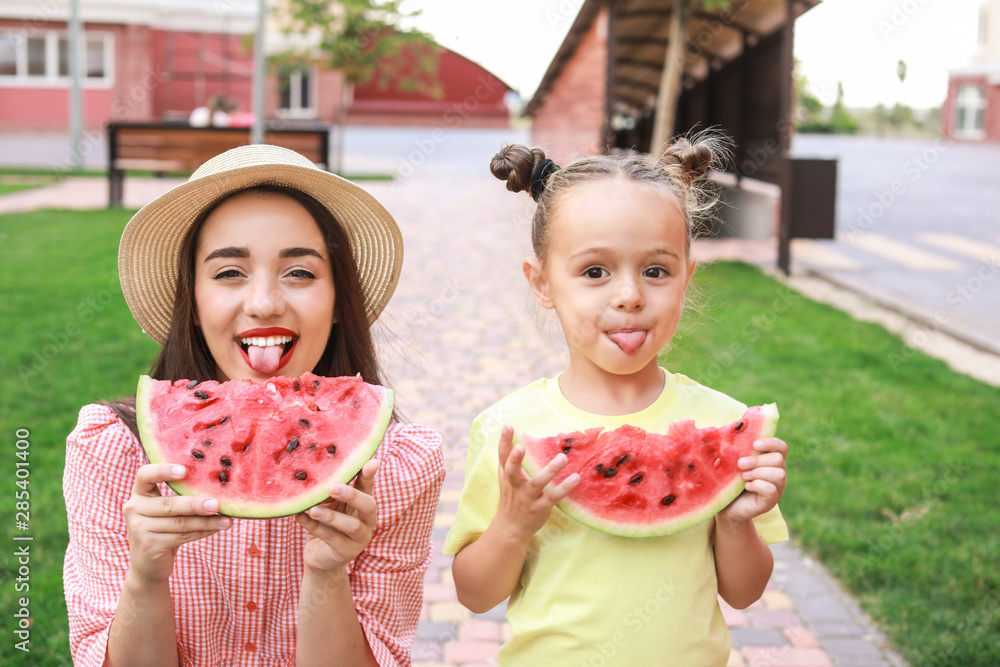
x,y
892,465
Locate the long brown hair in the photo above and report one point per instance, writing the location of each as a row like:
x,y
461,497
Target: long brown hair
x,y
349,350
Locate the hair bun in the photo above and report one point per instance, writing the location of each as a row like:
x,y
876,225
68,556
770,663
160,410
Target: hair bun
x,y
691,161
516,165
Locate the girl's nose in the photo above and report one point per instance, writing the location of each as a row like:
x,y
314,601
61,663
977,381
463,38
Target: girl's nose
x,y
264,300
628,294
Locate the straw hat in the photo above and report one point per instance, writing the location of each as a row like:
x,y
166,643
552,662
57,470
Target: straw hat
x,y
149,252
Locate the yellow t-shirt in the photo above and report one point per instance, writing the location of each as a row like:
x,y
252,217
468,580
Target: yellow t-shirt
x,y
586,598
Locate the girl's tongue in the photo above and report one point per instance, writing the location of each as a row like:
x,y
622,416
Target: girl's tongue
x,y
628,341
265,359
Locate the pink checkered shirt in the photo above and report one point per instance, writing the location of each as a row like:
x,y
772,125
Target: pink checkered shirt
x,y
235,594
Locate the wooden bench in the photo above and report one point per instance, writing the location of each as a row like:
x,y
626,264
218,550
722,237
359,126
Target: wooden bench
x,y
180,148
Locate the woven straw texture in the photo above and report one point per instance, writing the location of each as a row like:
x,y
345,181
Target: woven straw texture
x,y
149,252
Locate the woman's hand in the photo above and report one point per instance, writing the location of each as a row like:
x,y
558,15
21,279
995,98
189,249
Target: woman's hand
x,y
340,528
158,524
764,473
525,504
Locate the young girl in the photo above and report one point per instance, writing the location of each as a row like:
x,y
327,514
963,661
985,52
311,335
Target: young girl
x,y
611,237
260,265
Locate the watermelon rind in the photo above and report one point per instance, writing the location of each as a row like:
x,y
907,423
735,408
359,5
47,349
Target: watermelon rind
x,y
675,524
247,510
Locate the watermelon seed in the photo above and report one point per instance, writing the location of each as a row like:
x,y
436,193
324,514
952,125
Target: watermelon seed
x,y
296,386
312,446
206,443
690,466
315,385
611,472
200,394
332,449
223,420
198,455
600,467
566,449
622,460
717,462
301,474
635,480
223,476
667,500
225,461
569,441
192,384
304,422
293,444
738,427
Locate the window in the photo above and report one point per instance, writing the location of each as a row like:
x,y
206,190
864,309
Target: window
x,y
44,59
297,86
969,111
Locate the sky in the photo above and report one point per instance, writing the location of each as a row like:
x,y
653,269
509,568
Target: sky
x,y
855,42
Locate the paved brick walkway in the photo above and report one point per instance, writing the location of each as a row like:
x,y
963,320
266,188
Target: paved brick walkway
x,y
461,332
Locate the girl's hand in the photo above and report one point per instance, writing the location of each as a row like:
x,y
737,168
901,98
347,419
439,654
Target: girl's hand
x,y
340,528
158,524
764,472
524,502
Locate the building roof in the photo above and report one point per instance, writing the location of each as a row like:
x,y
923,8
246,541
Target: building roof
x,y
639,37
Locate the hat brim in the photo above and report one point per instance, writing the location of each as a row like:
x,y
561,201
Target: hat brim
x,y
149,252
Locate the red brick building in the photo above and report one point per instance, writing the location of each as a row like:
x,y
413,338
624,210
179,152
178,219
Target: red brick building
x,y
600,90
143,63
971,111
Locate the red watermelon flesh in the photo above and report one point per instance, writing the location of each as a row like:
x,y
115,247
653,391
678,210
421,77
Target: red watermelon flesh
x,y
263,449
639,484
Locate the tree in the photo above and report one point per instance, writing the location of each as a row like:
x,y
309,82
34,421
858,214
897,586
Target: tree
x,y
673,71
364,40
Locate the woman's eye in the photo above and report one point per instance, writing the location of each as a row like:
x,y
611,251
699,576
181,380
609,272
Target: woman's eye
x,y
226,273
301,273
595,273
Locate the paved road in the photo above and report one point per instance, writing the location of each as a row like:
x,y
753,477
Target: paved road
x,y
918,227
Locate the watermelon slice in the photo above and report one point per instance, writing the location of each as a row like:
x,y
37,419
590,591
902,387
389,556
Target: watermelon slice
x,y
263,449
639,484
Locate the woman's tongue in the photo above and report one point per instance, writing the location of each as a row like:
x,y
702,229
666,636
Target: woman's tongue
x,y
265,359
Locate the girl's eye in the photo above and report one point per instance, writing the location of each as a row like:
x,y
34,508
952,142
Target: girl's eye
x,y
656,272
595,273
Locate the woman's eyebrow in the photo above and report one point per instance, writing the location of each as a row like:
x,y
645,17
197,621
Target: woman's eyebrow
x,y
243,253
231,251
300,252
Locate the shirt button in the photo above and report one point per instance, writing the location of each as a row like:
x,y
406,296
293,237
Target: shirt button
x,y
251,606
250,647
253,551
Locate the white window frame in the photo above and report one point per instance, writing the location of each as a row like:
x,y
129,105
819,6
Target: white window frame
x,y
295,93
51,78
971,111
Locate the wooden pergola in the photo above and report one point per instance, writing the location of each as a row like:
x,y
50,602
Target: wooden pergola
x,y
736,78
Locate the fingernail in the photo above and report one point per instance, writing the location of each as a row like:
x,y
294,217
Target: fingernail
x,y
222,522
211,505
317,512
177,471
337,489
745,462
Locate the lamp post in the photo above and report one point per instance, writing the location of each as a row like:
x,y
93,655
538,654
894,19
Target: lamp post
x,y
259,73
75,94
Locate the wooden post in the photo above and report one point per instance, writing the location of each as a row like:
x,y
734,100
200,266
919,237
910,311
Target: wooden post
x,y
786,102
670,81
609,86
